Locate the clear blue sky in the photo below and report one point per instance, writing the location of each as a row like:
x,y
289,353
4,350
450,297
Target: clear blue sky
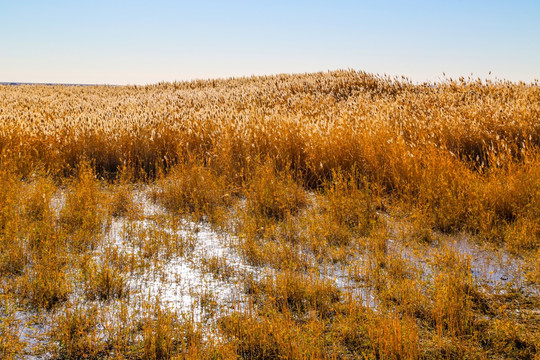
x,y
139,42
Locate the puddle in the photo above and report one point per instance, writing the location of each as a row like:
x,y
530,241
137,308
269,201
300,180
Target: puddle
x,y
360,292
181,283
492,267
494,270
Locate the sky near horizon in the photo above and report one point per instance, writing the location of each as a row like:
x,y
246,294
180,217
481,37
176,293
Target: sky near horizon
x,y
141,42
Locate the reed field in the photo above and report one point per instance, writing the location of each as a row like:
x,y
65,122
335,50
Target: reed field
x,y
337,215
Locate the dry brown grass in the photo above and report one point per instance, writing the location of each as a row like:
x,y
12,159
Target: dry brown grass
x,y
332,186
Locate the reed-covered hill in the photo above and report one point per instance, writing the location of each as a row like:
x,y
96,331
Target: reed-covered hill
x,y
328,215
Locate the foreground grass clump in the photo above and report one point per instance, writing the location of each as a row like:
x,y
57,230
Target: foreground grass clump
x,y
334,215
454,295
103,282
273,194
13,257
83,214
157,334
195,190
347,204
352,330
298,294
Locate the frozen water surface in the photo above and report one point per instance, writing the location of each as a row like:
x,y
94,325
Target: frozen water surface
x,y
183,283
180,281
